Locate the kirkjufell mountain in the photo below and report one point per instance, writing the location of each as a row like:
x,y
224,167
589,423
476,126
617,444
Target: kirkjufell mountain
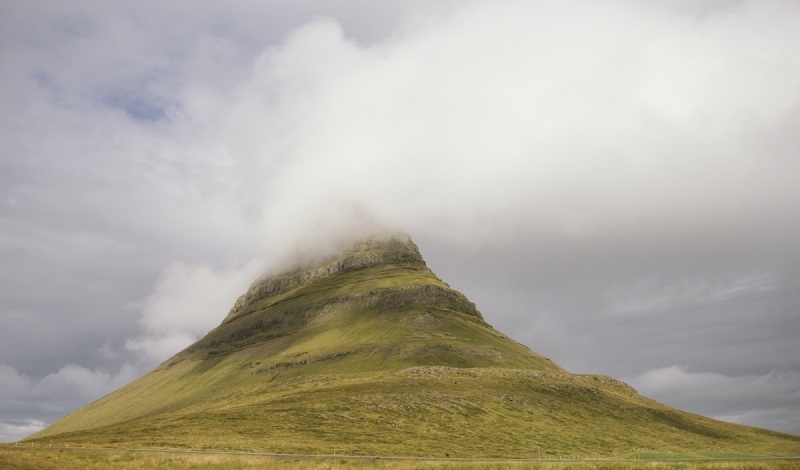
x,y
369,353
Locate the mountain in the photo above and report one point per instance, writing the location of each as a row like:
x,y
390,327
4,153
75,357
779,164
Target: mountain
x,y
368,352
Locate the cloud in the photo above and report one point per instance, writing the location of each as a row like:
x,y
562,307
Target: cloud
x,y
15,430
582,119
769,400
654,295
187,302
11,381
81,383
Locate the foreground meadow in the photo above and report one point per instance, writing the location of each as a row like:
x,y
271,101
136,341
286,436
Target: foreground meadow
x,y
26,458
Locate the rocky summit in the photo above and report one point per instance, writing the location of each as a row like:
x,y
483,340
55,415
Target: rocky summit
x,y
368,352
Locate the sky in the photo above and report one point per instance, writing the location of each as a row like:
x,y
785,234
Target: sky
x,y
613,183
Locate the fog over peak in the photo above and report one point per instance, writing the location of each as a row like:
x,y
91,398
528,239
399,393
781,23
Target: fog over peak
x,y
475,129
613,183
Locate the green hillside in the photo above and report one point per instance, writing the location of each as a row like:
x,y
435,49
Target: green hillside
x,y
369,353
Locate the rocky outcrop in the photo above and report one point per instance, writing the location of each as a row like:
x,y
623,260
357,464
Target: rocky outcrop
x,y
426,296
396,249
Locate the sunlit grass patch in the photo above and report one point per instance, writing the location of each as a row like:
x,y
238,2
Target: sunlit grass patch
x,y
661,456
728,455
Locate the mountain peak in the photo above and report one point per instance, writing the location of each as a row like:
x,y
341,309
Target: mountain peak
x,y
394,249
367,352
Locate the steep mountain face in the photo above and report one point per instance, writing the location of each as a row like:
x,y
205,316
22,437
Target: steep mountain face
x,y
368,352
376,307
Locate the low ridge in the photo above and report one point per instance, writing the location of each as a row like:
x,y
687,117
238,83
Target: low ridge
x,y
368,352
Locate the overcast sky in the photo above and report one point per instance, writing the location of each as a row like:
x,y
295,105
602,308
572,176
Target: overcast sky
x,y
615,184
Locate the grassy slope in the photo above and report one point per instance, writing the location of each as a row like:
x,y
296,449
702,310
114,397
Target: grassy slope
x,y
363,362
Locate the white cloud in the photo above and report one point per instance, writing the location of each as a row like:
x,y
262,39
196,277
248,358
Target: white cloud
x,y
155,348
576,118
187,302
80,383
12,383
194,299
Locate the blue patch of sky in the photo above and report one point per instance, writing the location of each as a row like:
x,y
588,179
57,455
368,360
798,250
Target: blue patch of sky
x,y
47,82
138,103
42,79
142,97
138,106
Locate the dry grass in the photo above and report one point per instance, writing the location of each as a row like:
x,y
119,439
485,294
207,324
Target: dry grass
x,y
31,458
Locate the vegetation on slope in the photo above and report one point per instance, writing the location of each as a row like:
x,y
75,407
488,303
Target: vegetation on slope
x,y
371,354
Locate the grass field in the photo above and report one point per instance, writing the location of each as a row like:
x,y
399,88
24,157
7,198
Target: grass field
x,y
26,458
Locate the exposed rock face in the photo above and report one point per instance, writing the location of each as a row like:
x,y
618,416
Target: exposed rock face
x,y
384,300
422,296
396,249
